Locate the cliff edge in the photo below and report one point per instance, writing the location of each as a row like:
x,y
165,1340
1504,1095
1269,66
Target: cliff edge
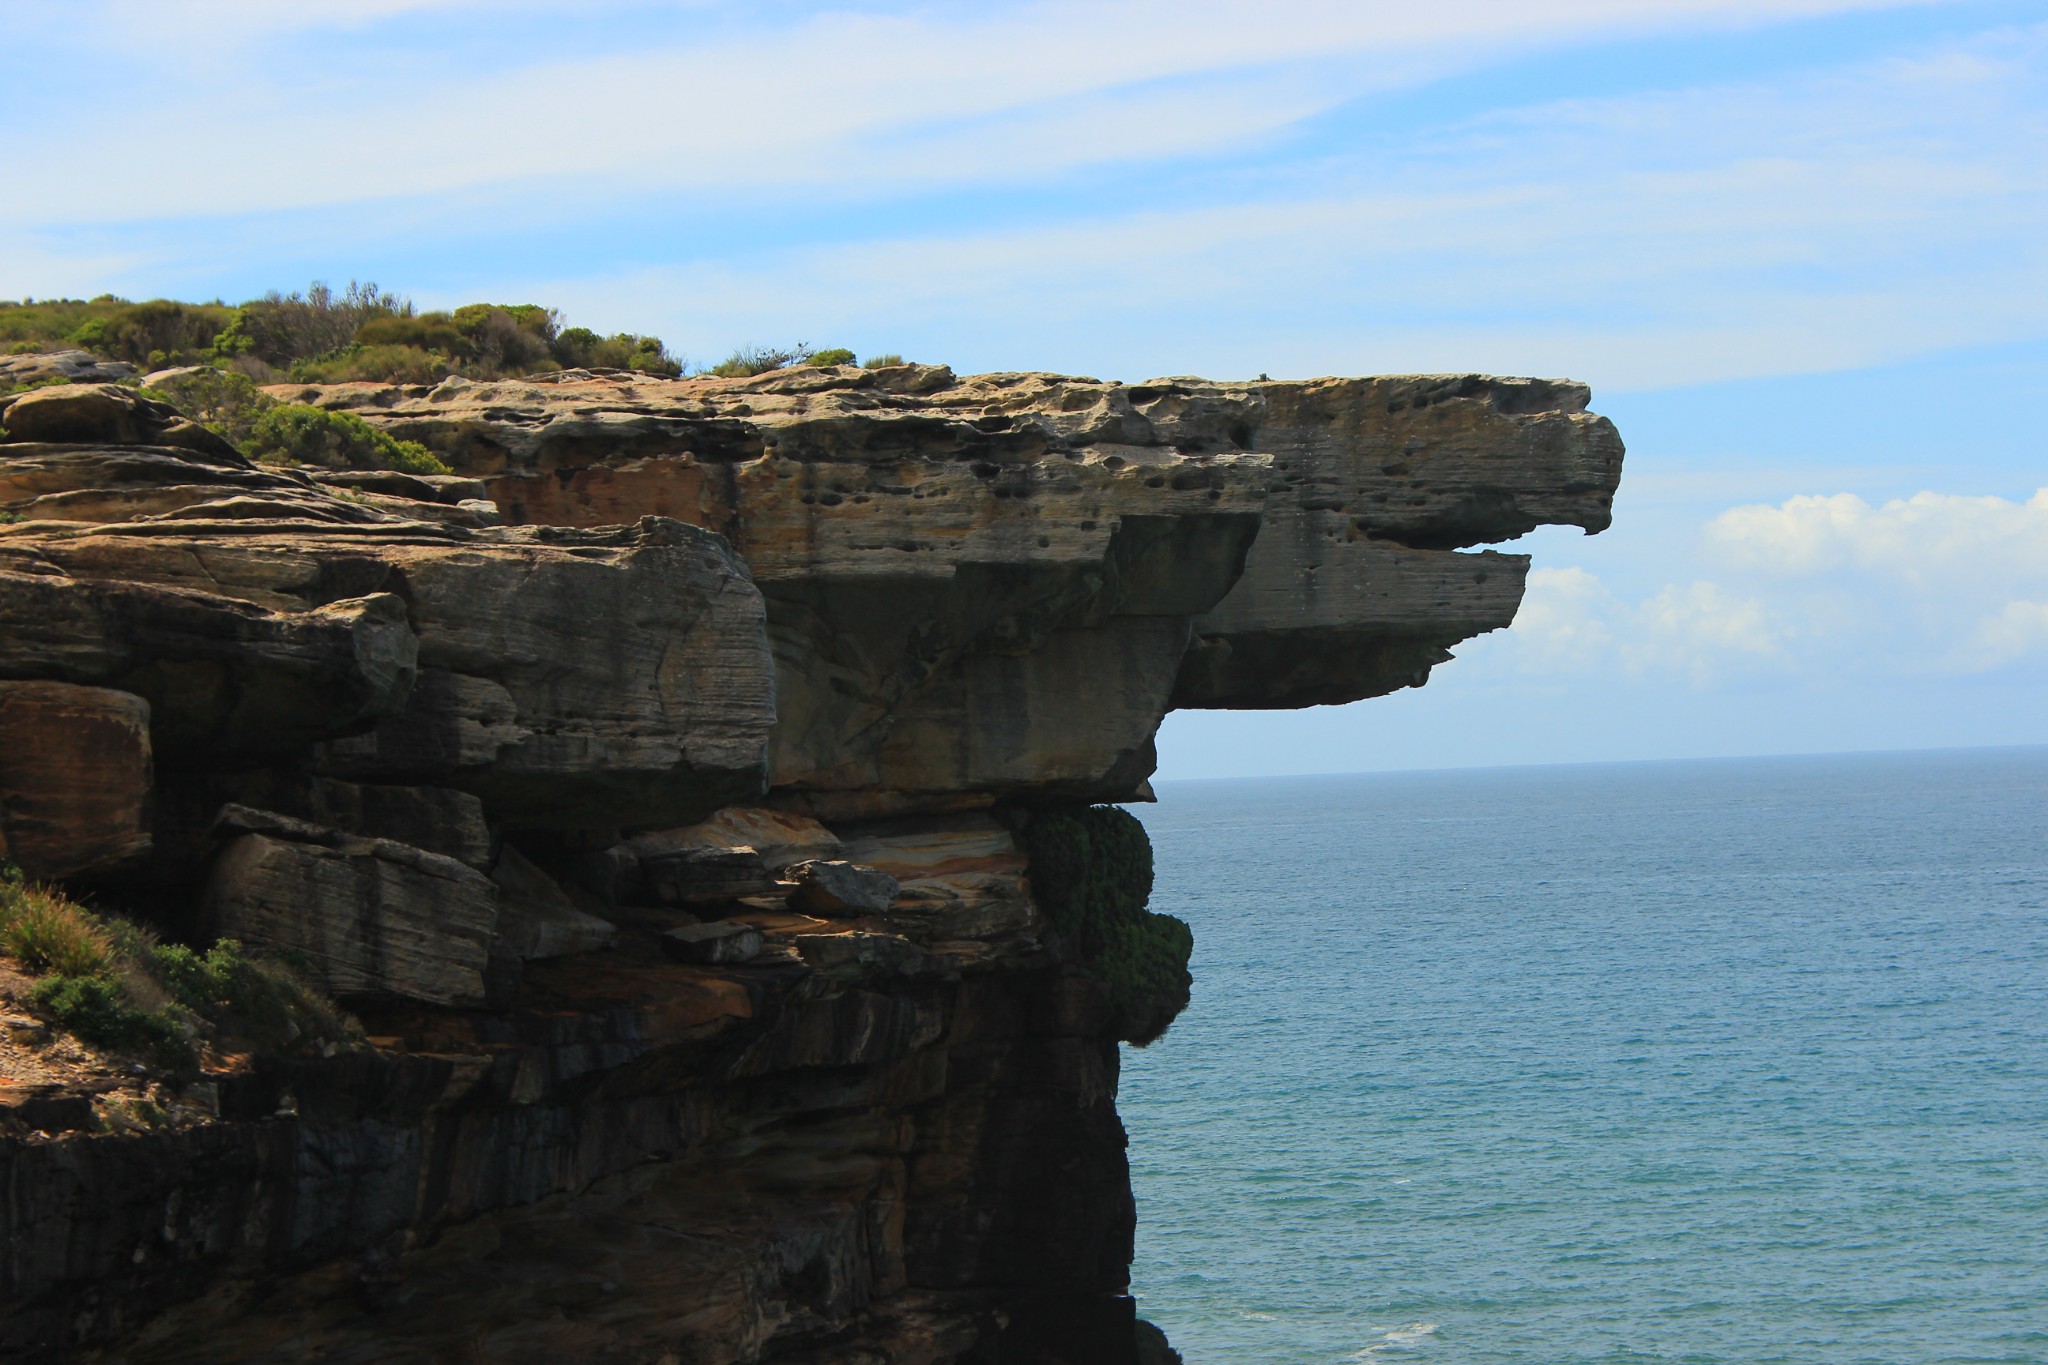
x,y
699,797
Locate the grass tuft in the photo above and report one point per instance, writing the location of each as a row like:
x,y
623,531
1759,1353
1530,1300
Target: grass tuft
x,y
47,933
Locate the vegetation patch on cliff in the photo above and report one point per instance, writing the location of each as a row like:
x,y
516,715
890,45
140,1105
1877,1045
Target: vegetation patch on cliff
x,y
327,336
109,982
1091,871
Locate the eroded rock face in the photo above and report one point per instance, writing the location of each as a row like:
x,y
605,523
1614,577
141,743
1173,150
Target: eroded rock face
x,y
75,778
652,787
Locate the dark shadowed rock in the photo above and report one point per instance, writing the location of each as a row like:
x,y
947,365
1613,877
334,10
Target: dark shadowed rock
x,y
536,918
721,941
75,778
837,887
369,917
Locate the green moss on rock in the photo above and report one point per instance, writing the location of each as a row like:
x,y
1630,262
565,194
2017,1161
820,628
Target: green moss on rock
x,y
1091,871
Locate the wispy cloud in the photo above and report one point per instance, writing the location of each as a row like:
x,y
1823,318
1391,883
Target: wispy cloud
x,y
1851,218
841,100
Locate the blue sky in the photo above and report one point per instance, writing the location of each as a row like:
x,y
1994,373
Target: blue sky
x,y
1798,247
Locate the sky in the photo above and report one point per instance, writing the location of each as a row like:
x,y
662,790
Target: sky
x,y
1799,249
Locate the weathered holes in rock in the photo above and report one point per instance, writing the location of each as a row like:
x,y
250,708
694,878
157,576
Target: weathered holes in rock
x,y
984,470
1399,469
1479,576
1045,542
1087,525
1380,498
1115,462
830,499
1215,495
1241,434
1156,481
1397,405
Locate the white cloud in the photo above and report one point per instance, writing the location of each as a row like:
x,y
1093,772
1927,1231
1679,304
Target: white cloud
x,y
1571,623
1817,586
2017,630
1930,540
1564,622
1702,629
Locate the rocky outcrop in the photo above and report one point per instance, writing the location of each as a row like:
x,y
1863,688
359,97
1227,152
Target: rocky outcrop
x,y
687,796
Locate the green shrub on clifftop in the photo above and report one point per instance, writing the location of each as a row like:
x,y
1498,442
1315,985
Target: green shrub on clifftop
x,y
297,433
1091,871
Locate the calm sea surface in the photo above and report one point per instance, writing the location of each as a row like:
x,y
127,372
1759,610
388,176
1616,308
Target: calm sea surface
x,y
1740,1061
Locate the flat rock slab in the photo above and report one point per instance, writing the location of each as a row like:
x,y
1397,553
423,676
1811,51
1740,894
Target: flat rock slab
x,y
706,876
370,917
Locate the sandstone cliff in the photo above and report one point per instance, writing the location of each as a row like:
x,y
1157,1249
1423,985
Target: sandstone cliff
x,y
690,797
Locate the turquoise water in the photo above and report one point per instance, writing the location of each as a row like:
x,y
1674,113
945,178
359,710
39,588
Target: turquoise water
x,y
1737,1061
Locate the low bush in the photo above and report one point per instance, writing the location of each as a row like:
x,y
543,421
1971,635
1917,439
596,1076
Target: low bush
x,y
266,1002
424,331
384,363
882,361
98,1010
225,401
1091,871
831,355
753,360
324,336
157,333
298,433
579,348
112,984
279,329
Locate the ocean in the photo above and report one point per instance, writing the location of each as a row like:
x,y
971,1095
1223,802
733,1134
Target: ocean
x,y
1726,1061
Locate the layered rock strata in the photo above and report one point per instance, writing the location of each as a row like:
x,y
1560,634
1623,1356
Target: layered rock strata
x,y
656,790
